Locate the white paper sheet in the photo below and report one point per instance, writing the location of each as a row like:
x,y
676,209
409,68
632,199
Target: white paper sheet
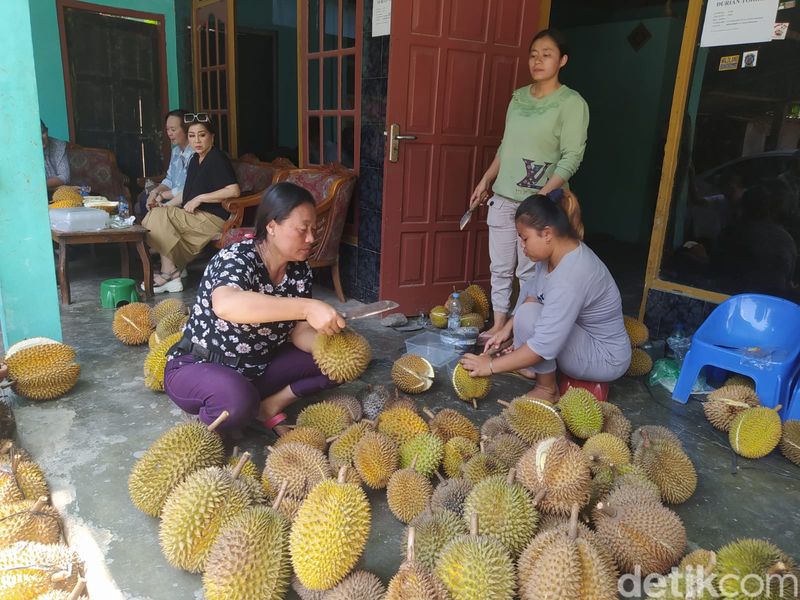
x,y
730,22
381,17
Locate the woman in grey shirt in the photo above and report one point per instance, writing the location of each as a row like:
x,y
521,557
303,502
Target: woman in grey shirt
x,y
56,164
569,313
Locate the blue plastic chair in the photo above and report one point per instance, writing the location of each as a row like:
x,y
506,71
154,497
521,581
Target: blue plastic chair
x,y
750,334
792,412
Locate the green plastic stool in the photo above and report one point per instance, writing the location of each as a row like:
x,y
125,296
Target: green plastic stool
x,y
114,292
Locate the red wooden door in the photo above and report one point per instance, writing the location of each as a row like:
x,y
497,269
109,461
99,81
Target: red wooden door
x,y
452,67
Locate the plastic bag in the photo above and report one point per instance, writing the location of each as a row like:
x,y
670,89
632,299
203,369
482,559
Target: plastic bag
x,y
665,373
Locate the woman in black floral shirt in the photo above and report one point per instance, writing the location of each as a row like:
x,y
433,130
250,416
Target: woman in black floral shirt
x,y
246,347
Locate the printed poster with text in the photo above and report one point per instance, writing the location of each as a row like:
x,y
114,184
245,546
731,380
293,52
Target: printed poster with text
x,y
731,22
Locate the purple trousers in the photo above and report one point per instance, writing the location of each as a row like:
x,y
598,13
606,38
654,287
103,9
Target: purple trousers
x,y
207,389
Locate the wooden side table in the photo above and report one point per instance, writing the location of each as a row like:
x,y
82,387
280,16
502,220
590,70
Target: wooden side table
x,y
135,234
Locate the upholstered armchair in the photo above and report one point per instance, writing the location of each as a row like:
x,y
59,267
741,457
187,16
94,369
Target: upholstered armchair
x,y
97,168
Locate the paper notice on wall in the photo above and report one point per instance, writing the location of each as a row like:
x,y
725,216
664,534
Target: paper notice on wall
x,y
381,17
731,22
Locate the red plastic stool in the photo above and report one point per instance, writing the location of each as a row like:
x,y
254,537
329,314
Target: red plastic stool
x,y
600,390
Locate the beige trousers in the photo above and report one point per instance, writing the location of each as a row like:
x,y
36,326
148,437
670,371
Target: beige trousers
x,y
179,235
505,252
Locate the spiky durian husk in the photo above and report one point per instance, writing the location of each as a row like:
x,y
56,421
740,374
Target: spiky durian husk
x,y
374,401
615,422
329,534
432,532
132,323
438,317
476,566
166,307
343,356
725,404
470,388
351,403
27,569
473,319
412,374
25,521
426,448
670,468
494,426
559,469
737,379
755,432
304,434
637,331
331,419
69,194
654,433
457,451
249,470
533,420
408,494
42,369
790,441
304,592
481,466
759,559
604,450
170,459
581,412
401,424
22,480
303,467
375,457
450,495
449,423
341,452
156,361
37,356
359,585
195,512
481,300
641,363
415,581
47,383
507,449
171,324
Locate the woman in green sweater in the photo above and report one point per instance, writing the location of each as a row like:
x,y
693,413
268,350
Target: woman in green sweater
x,y
542,148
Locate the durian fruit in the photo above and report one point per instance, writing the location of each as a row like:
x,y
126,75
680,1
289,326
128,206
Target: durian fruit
x,y
414,580
166,307
42,369
304,592
153,340
615,422
472,319
426,448
340,453
170,459
505,511
450,495
310,436
156,361
66,196
171,324
637,331
29,520
457,451
21,480
610,479
351,403
289,508
669,467
75,594
467,302
329,533
604,450
301,466
725,403
689,581
343,356
632,493
481,466
747,564
401,424
438,316
558,469
737,379
250,556
359,585
375,457
654,433
563,564
756,432
581,413
412,374
132,324
408,493
434,530
641,363
449,423
29,569
374,400
331,419
532,419
468,388
476,567
198,508
248,470
481,300
790,441
401,400
506,448
494,426
646,534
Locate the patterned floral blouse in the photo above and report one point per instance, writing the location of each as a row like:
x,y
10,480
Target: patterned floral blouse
x,y
240,266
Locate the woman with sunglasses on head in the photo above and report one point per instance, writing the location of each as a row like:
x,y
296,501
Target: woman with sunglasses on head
x,y
569,313
246,348
181,228
542,148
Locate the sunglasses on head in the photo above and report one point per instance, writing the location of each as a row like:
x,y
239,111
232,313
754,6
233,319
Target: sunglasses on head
x,y
199,117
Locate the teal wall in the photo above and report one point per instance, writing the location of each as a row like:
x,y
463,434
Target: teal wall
x,y
279,16
629,95
47,55
28,300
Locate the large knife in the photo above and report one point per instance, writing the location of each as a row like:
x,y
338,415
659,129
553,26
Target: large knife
x,y
468,215
369,310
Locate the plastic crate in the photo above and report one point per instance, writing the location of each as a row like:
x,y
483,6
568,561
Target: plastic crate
x,y
430,346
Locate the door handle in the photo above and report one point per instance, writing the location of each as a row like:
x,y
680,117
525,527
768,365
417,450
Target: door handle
x,y
394,141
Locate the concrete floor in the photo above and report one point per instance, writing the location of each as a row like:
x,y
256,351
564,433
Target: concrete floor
x,y
88,442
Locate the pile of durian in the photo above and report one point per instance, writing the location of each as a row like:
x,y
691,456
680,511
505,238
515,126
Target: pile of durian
x,y
641,363
66,196
475,308
35,559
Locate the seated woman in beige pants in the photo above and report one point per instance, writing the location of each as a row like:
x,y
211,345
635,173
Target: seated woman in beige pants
x,y
180,229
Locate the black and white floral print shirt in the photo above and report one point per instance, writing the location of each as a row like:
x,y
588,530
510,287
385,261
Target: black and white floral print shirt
x,y
240,266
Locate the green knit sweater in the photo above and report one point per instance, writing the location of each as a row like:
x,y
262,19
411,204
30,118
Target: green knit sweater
x,y
543,136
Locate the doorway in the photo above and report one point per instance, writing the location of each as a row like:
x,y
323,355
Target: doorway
x,y
114,70
256,62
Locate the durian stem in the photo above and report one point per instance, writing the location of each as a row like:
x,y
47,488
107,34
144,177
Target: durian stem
x,y
512,475
223,415
240,465
235,452
475,404
428,413
59,577
645,438
473,524
439,476
6,447
410,556
78,589
504,403
779,568
573,521
608,511
40,503
732,402
482,446
778,408
342,474
270,449
281,494
539,497
413,464
332,439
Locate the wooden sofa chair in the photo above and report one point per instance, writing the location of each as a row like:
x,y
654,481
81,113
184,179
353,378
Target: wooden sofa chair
x,y
97,168
332,187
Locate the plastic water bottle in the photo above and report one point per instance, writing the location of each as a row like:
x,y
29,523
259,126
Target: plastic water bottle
x,y
454,308
679,343
122,209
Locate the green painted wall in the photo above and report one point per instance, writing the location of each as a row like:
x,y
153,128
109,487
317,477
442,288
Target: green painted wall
x,y
28,300
47,55
629,95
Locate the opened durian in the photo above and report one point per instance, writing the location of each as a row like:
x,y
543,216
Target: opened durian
x,y
468,388
438,316
343,356
412,374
